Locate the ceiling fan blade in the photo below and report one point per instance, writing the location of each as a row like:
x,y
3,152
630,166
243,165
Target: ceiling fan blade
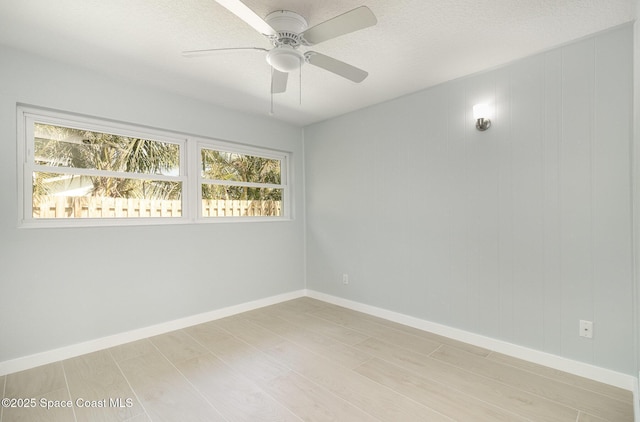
x,y
336,66
354,20
239,9
198,53
278,81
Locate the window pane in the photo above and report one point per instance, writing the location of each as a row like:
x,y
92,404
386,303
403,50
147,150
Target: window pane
x,y
221,165
58,195
237,201
65,147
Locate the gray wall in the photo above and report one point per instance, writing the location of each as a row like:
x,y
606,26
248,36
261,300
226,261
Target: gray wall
x,y
515,233
64,286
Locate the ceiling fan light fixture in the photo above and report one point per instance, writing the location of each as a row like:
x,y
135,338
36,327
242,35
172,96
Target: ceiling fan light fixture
x,y
287,30
285,59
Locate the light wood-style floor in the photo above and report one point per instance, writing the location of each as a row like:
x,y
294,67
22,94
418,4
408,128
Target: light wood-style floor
x,y
306,360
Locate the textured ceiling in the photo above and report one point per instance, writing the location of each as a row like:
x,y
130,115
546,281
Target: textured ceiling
x,y
416,44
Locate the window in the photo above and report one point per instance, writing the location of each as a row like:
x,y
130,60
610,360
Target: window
x,y
236,184
83,171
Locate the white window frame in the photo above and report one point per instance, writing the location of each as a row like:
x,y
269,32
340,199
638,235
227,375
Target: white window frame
x,y
189,174
246,150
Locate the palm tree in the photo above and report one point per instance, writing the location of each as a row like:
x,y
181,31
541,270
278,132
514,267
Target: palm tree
x,y
225,166
232,167
65,147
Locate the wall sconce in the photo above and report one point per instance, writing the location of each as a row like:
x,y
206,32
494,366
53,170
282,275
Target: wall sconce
x,y
481,114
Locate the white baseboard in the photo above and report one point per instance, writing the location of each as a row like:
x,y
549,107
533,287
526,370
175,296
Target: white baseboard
x,y
596,373
50,356
636,398
607,376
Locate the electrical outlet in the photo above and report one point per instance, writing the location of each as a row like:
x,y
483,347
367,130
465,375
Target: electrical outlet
x,y
586,329
345,278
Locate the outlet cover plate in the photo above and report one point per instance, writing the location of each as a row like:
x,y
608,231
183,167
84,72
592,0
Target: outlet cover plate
x,y
586,329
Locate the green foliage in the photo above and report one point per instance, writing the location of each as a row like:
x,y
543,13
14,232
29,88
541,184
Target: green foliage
x,y
65,147
226,166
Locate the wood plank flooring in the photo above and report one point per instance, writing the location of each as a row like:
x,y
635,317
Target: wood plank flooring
x,y
306,360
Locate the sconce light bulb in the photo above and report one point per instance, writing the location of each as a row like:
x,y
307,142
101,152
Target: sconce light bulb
x,y
480,111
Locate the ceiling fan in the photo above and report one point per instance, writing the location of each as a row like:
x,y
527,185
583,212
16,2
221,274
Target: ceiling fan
x,y
287,31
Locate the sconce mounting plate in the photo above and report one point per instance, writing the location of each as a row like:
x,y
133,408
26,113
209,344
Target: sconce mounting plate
x,y
483,124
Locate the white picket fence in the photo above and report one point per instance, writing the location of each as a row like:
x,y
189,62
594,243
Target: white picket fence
x,y
101,207
236,208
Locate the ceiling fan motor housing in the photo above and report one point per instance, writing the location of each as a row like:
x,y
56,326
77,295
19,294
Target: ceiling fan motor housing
x,y
289,25
284,57
285,20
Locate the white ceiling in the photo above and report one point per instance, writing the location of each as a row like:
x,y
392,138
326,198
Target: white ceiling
x,y
416,44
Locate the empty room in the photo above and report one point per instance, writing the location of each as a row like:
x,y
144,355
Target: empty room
x,y
298,210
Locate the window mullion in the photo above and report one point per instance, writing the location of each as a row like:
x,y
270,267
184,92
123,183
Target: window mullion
x,y
192,197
